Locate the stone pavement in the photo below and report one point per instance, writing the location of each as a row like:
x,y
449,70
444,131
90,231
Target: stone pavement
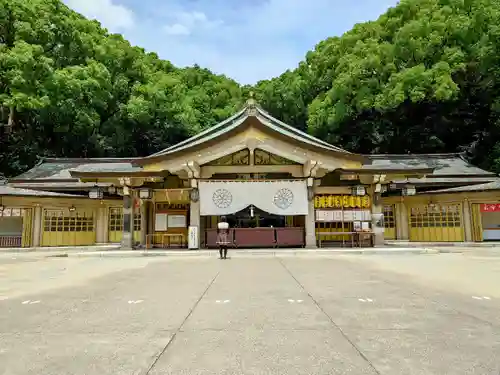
x,y
249,315
115,252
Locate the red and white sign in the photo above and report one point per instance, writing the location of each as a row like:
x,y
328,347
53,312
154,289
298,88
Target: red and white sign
x,y
490,207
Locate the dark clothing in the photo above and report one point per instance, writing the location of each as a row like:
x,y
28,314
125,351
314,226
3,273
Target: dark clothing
x,y
223,252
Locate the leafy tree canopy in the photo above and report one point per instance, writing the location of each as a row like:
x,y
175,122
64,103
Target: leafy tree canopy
x,y
424,77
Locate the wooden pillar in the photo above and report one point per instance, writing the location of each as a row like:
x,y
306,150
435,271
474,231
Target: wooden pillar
x,y
101,225
37,226
377,218
144,222
195,220
467,222
128,221
403,221
310,224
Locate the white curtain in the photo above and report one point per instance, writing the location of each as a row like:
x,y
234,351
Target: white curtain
x,y
286,197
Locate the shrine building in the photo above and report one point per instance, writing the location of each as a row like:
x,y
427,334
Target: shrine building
x,y
277,186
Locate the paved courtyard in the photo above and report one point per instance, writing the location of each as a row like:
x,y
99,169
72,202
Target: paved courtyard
x,y
344,314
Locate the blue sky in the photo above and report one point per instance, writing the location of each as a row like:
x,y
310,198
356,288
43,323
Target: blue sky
x,y
247,40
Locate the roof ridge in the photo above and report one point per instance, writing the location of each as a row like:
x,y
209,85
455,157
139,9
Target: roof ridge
x,y
300,132
201,134
250,109
88,160
408,156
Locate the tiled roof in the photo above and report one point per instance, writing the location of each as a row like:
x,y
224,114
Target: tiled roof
x,y
493,185
56,173
250,110
59,169
444,164
13,191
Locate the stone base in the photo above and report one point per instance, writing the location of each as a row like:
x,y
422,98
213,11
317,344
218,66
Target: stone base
x,y
127,241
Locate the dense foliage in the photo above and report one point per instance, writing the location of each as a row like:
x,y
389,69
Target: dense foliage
x,y
70,89
424,77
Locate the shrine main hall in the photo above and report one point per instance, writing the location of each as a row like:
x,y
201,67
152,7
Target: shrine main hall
x,y
277,186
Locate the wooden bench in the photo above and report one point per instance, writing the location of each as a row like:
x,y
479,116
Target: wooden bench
x,y
164,240
355,238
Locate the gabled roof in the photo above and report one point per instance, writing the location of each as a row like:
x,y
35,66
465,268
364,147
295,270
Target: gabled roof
x,y
489,186
57,173
251,109
6,190
448,169
453,164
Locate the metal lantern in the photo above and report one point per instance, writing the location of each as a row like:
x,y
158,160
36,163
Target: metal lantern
x,y
358,190
409,190
194,194
96,193
145,193
310,193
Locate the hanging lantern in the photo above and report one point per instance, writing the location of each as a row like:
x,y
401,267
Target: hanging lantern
x,y
409,190
310,193
194,194
358,190
95,193
145,193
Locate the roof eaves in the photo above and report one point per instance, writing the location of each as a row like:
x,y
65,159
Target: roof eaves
x,y
104,174
202,134
286,132
298,132
42,180
195,143
89,160
413,156
21,192
488,186
405,171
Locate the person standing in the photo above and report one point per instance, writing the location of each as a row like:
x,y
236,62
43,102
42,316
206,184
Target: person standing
x,y
223,237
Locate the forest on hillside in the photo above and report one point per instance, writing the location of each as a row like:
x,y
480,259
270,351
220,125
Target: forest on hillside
x,y
424,77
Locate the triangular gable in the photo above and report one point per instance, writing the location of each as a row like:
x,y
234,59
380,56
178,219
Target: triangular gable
x,y
251,110
241,157
262,157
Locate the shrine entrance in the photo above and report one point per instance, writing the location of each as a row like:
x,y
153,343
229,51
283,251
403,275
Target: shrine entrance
x,y
260,230
253,217
263,214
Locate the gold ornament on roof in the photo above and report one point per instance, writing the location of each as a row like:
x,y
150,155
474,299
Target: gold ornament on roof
x,y
251,105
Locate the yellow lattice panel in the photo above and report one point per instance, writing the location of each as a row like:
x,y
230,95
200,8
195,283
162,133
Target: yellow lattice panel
x,y
436,223
65,228
477,226
325,227
389,222
115,225
27,227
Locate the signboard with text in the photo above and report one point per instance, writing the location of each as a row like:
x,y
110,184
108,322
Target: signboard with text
x,y
490,207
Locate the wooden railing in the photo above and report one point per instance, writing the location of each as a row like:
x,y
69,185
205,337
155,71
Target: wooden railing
x,y
10,241
354,239
166,240
259,237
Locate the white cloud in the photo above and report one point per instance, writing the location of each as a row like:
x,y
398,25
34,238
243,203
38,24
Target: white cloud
x,y
186,23
247,40
113,16
177,29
